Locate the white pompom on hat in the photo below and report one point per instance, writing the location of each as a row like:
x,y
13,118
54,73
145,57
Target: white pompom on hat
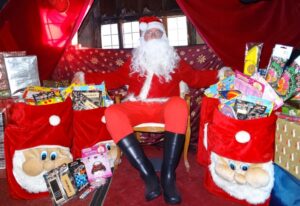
x,y
149,22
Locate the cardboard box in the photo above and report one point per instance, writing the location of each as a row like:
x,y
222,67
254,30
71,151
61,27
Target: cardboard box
x,y
287,146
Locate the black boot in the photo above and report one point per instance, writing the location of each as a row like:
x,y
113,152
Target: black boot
x,y
172,150
136,156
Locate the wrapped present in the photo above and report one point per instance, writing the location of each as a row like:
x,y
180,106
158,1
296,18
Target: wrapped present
x,y
21,72
287,149
4,86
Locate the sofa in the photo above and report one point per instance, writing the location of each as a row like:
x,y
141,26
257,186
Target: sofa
x,y
76,58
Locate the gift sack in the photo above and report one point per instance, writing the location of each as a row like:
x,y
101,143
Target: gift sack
x,y
89,129
240,158
37,139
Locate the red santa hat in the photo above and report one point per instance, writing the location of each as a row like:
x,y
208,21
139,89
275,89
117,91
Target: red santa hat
x,y
243,140
149,22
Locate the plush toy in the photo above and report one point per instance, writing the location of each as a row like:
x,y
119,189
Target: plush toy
x,y
29,165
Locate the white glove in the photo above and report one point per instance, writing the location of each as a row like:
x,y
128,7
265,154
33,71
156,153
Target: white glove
x,y
225,72
78,78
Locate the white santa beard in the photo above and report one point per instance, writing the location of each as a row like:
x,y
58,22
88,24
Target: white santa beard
x,y
244,192
33,184
155,56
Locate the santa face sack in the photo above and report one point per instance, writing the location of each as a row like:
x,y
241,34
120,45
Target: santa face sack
x,y
37,139
241,154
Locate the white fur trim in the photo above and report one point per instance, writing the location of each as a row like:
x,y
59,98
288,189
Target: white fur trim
x,y
146,87
154,24
183,88
242,137
143,26
103,120
32,184
242,192
133,98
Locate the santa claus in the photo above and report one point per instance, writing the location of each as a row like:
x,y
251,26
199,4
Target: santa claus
x,y
153,75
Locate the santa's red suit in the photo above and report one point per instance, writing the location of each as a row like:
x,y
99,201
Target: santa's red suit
x,y
149,97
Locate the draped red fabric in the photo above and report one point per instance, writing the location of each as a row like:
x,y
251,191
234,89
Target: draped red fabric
x,y
41,27
227,26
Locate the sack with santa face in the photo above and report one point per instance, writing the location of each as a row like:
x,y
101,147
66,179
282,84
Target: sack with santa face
x,y
37,139
241,154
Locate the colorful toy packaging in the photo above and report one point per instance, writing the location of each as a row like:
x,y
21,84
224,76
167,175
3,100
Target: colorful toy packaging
x,y
97,164
60,184
287,84
279,57
78,172
252,56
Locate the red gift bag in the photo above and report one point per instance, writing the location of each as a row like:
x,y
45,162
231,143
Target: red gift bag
x,y
88,129
33,126
248,142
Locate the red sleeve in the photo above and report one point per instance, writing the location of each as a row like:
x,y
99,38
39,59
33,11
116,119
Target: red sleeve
x,y
197,78
113,80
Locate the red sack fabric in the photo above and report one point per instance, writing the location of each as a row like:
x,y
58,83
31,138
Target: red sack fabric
x,y
208,105
32,126
88,129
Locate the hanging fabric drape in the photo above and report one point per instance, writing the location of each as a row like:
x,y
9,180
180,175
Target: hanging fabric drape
x,y
41,27
226,26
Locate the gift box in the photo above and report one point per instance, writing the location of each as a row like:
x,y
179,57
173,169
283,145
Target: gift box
x,y
21,72
287,149
4,85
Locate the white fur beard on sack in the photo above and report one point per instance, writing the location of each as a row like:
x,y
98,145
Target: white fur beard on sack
x,y
155,56
32,184
244,192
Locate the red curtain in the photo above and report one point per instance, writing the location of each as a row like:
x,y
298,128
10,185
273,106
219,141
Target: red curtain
x,y
41,27
227,26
